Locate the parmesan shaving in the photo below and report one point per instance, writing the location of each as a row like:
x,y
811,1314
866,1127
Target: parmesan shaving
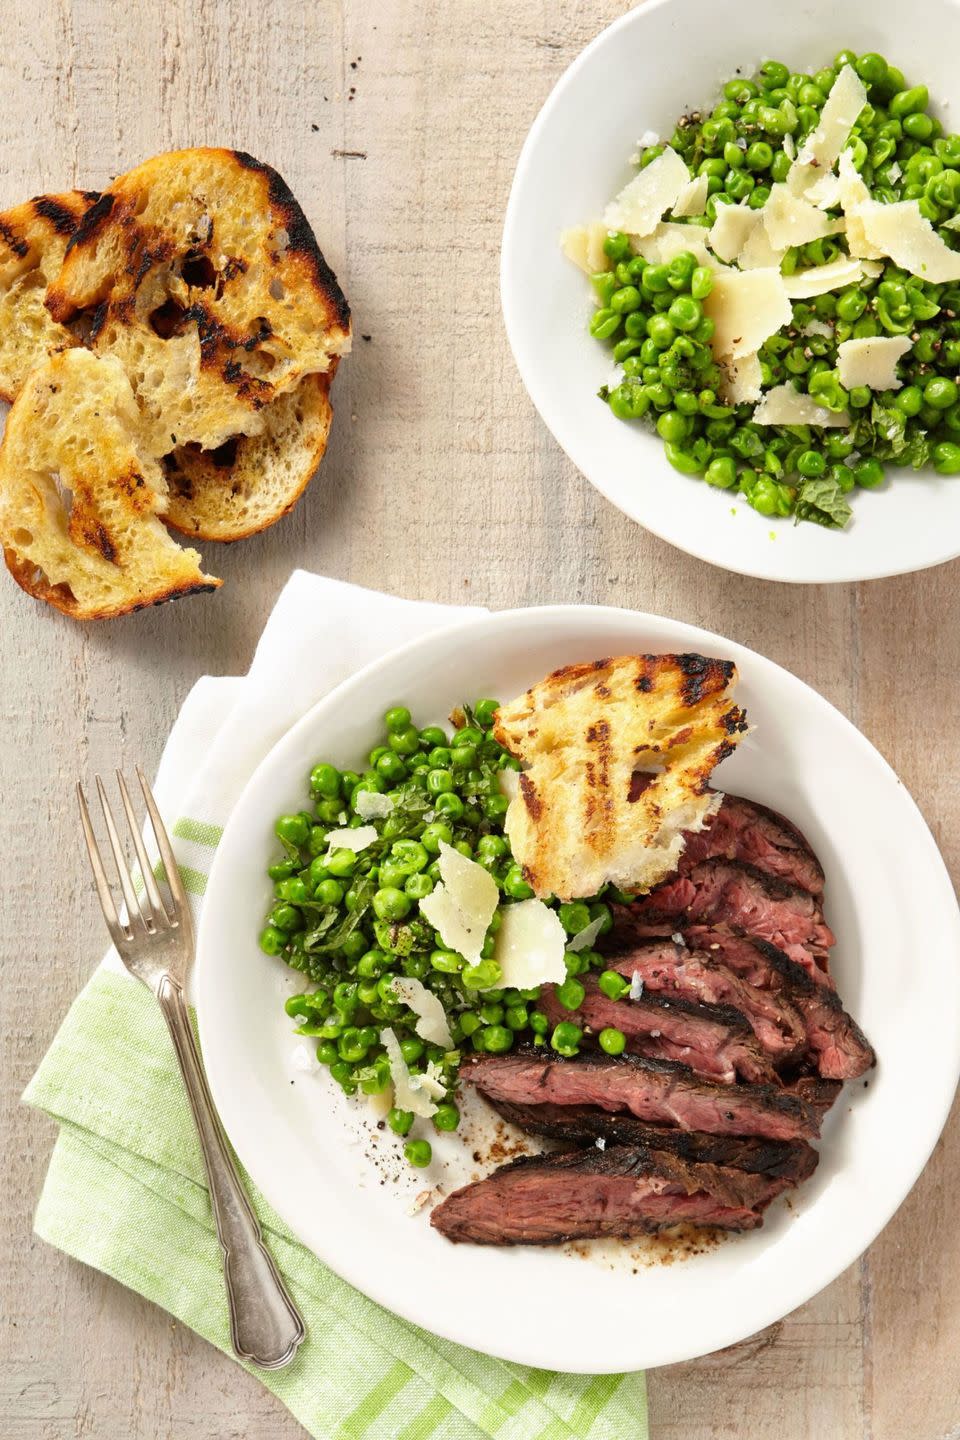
x,y
783,405
825,192
732,229
789,147
530,946
409,1091
853,194
370,805
742,379
509,781
692,199
840,113
909,239
636,985
431,1017
584,938
461,907
790,220
821,278
817,327
872,361
953,223
355,839
670,240
583,244
641,205
746,307
758,252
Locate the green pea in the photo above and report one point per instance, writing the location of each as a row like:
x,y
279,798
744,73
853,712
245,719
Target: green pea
x,y
851,305
342,863
418,887
447,1116
759,155
434,835
604,323
946,461
612,1041
616,246
811,463
294,889
868,474
514,884
738,184
390,903
282,870
418,1153
685,313
431,736
940,393
625,299
571,994
404,741
613,985
286,918
294,829
872,68
566,1038
733,156
325,780
497,1039
721,472
909,102
655,279
400,1121
772,74
485,975
661,331
680,270
397,718
673,427
272,940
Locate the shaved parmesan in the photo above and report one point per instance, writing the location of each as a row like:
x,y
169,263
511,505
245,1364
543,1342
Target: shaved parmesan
x,y
372,806
758,252
785,406
431,1017
789,147
732,229
909,239
872,362
636,985
641,205
953,223
584,938
509,781
671,239
410,1092
461,907
853,194
742,379
825,192
817,327
746,307
583,244
840,113
356,839
790,220
692,199
530,945
821,278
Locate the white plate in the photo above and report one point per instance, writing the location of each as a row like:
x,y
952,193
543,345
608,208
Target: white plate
x,y
888,898
640,74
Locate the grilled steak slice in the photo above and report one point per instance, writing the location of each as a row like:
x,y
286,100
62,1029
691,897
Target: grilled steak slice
x,y
580,1194
657,1090
792,1160
743,830
714,1040
836,1042
728,892
819,1094
669,968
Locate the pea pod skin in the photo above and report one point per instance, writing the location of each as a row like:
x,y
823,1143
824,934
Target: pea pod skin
x,y
650,313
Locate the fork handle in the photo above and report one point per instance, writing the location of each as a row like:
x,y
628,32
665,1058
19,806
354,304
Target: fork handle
x,y
265,1325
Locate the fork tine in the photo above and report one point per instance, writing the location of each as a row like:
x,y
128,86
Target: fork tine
x,y
146,869
117,932
134,907
180,900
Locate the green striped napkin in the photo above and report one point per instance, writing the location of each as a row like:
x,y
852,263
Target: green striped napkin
x,y
125,1189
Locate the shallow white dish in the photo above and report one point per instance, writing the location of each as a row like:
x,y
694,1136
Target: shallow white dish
x,y
647,68
897,965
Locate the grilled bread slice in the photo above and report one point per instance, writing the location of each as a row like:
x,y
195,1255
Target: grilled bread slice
x,y
253,480
199,271
33,240
617,758
79,498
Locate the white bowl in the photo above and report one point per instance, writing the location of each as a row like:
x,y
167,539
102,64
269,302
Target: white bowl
x,y
647,68
888,898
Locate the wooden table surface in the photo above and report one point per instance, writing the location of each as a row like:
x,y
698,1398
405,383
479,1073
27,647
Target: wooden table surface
x,y
398,127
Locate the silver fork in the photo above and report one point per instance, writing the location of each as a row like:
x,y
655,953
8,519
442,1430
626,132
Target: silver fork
x,y
157,947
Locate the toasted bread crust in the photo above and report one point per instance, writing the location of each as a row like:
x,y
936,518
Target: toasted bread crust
x,y
60,598
231,303
587,734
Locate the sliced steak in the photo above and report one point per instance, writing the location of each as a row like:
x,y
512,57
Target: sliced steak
x,y
744,830
714,1040
838,1046
580,1194
729,892
792,1160
819,1094
657,1090
668,968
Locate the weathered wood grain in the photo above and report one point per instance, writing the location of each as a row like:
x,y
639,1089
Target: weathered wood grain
x,y
437,463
